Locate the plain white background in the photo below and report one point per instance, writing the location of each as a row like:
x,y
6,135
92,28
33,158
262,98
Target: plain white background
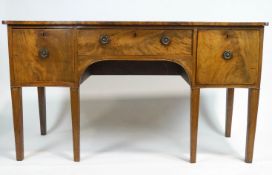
x,y
136,124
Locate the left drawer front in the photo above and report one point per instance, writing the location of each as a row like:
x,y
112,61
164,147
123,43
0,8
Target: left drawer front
x,y
42,55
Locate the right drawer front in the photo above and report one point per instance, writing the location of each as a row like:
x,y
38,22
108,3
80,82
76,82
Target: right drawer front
x,y
239,65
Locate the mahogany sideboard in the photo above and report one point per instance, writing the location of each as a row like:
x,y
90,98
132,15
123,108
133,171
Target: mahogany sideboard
x,y
205,54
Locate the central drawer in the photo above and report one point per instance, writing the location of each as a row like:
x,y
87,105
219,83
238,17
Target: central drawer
x,y
137,42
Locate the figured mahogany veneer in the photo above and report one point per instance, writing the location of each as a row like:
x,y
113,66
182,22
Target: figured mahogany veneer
x,y
65,53
241,69
30,68
135,42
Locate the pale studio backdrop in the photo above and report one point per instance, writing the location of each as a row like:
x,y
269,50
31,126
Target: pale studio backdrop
x,y
136,124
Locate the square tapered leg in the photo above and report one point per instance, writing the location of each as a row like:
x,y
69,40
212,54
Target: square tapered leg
x,y
75,106
194,122
42,109
253,102
229,111
17,108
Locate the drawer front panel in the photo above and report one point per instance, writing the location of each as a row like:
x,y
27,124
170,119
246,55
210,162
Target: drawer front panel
x,y
127,42
226,57
42,55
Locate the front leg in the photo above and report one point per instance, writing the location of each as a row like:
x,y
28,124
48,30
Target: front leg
x,y
253,102
194,122
75,106
17,107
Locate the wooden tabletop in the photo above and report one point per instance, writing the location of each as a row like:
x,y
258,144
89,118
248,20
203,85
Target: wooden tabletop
x,y
135,23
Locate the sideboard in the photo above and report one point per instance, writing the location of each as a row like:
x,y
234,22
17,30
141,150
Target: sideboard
x,y
205,54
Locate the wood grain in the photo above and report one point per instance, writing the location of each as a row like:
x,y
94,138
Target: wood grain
x,y
253,102
17,107
42,109
229,111
29,67
241,69
134,42
75,106
195,93
137,23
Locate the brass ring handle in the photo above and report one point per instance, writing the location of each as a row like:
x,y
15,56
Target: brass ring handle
x,y
165,40
104,39
227,55
43,53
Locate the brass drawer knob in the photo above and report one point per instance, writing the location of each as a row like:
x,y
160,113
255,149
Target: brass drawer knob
x,y
227,55
104,39
165,40
43,53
